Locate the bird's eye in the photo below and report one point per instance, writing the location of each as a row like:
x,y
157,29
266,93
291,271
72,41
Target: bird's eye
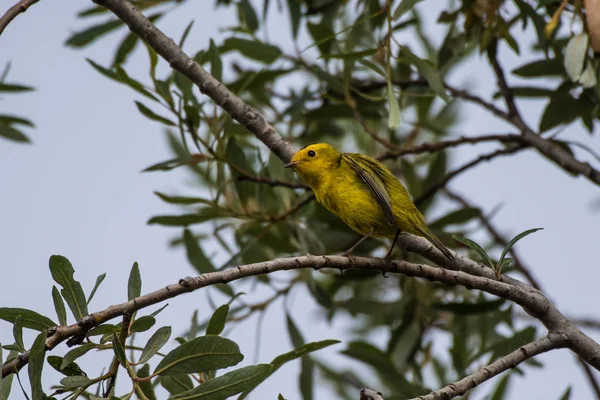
x,y
311,153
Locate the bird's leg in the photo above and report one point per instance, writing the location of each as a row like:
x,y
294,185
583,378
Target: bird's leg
x,y
348,252
389,253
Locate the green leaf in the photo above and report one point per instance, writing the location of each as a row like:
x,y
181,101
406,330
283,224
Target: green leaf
x,y
196,255
177,383
62,273
428,70
151,115
186,32
31,319
216,65
134,284
475,247
99,280
6,382
306,379
461,216
203,215
12,133
125,48
294,332
405,6
12,119
146,386
202,354
59,306
540,68
234,382
177,162
394,116
217,320
470,308
87,36
155,343
501,388
295,10
119,350
18,333
322,34
142,324
247,15
254,49
36,364
75,381
75,353
514,240
121,76
575,55
561,109
70,370
299,352
567,394
183,200
351,56
13,87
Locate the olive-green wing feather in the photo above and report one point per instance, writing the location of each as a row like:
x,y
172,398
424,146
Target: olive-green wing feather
x,y
367,171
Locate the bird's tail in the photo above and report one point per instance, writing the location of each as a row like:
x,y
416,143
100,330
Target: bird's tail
x,y
427,234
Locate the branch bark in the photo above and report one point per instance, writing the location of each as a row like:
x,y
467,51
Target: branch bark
x,y
15,10
178,60
533,301
523,353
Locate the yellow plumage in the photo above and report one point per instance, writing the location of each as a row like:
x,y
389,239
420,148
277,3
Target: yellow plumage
x,y
362,192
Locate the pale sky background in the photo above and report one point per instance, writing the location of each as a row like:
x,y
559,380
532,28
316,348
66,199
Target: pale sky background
x,y
78,191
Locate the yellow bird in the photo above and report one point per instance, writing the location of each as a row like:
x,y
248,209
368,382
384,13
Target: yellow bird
x,y
363,193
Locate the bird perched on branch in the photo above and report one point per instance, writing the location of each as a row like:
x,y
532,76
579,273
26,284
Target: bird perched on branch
x,y
363,193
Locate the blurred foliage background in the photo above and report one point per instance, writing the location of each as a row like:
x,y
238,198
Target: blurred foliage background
x,y
363,87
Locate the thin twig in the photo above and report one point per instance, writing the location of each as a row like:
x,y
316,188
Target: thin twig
x,y
431,147
114,367
452,174
15,10
551,342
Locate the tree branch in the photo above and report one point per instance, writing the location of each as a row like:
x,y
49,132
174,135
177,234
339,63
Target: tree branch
x,y
533,301
15,10
431,147
523,353
178,60
370,394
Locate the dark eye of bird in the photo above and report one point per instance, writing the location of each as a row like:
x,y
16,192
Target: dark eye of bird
x,y
311,153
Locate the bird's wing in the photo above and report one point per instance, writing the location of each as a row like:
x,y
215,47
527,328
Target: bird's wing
x,y
369,176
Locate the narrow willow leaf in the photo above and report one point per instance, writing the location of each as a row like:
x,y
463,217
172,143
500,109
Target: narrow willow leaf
x,y
142,324
300,351
470,308
134,285
501,388
183,199
13,119
514,240
203,215
253,49
155,313
155,343
63,274
146,386
125,48
295,10
394,117
186,32
88,35
18,333
404,7
75,381
428,70
75,353
30,319
461,216
6,382
475,247
36,364
196,255
217,320
59,306
234,382
119,350
99,280
205,353
12,133
216,65
567,394
176,384
11,87
575,54
351,56
70,370
148,113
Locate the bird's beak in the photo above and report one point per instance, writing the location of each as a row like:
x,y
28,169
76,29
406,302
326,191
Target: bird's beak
x,y
290,164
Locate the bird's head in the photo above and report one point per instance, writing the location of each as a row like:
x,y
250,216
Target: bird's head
x,y
313,160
